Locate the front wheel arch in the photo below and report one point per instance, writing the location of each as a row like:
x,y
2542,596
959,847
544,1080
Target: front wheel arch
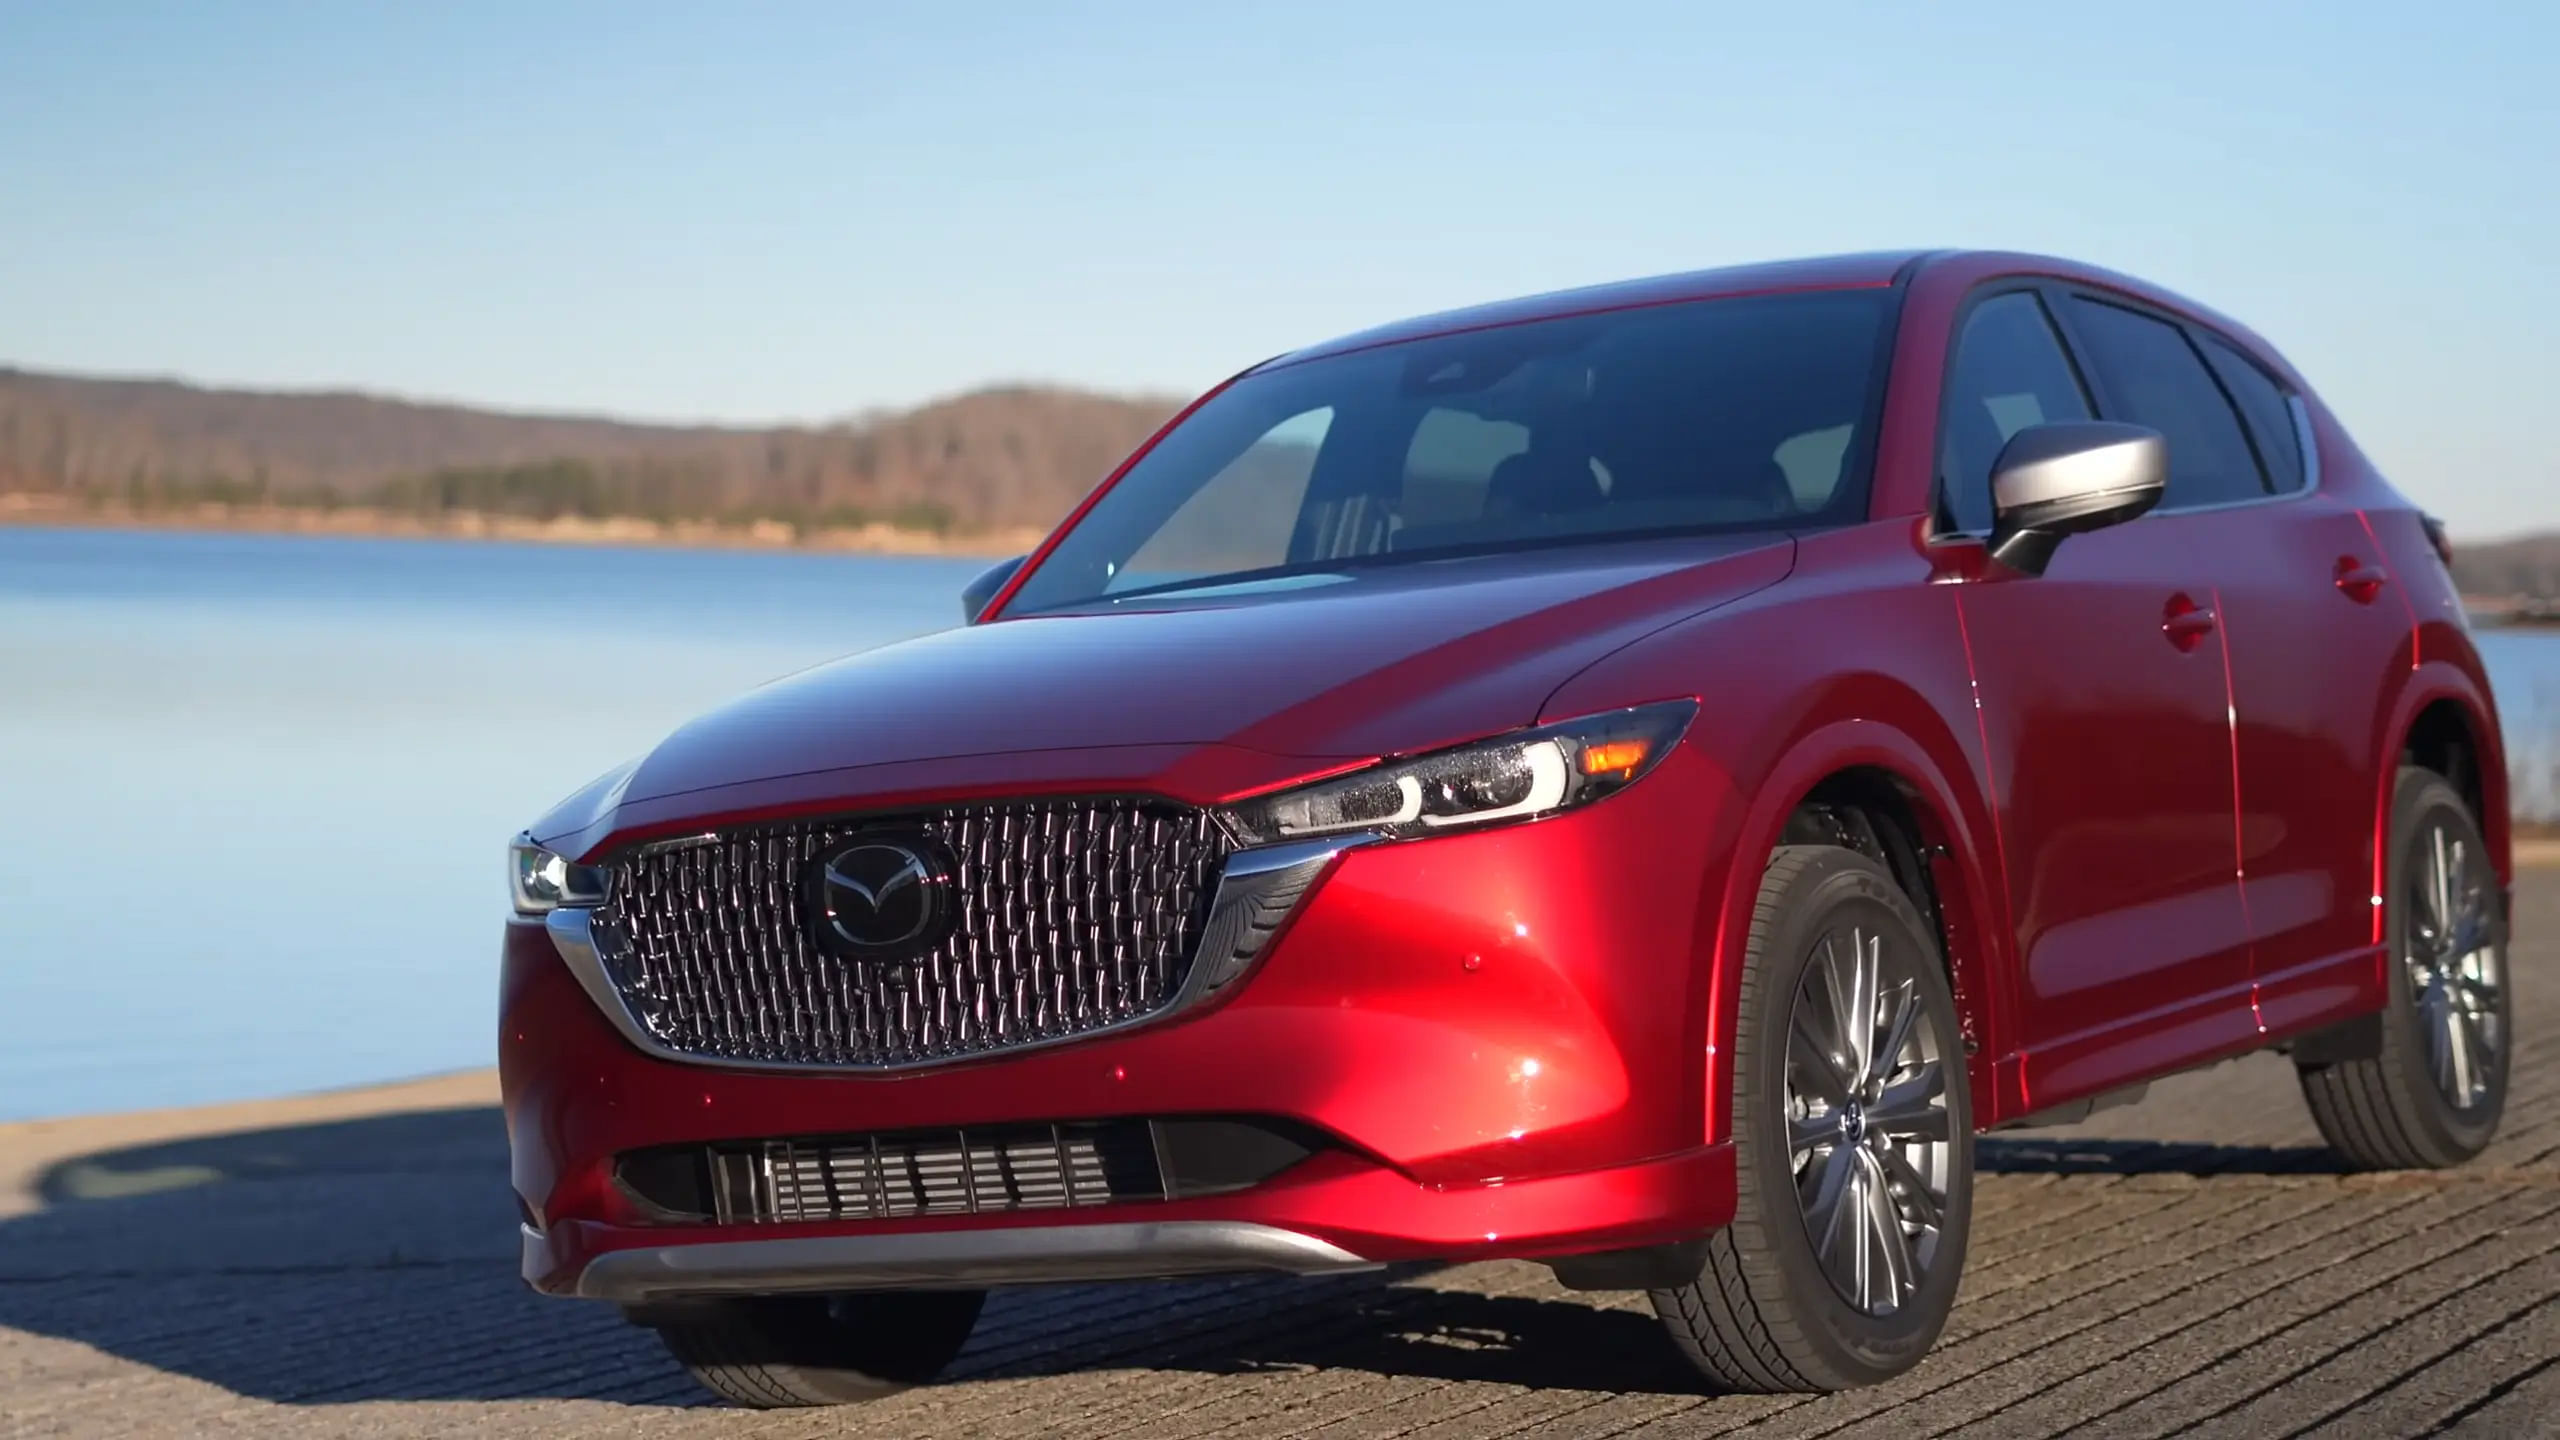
x,y
1956,839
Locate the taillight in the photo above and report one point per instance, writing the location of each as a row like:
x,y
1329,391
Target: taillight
x,y
2436,537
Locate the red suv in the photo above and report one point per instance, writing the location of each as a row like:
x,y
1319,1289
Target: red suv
x,y
1633,778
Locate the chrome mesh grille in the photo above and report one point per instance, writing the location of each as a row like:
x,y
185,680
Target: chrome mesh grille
x,y
952,1172
1072,916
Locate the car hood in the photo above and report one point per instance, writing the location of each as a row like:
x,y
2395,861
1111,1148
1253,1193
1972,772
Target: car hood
x,y
1365,664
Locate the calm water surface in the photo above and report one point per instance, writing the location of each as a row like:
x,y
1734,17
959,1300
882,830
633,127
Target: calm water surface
x,y
253,791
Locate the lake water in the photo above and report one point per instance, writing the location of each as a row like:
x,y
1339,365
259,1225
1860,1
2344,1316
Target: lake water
x,y
254,791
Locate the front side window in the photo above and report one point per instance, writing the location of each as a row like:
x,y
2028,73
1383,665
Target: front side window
x,y
2156,378
2009,373
1749,413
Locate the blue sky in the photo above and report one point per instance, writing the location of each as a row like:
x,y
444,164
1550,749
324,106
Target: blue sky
x,y
760,212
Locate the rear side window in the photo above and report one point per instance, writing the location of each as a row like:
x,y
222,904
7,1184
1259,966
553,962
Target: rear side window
x,y
2263,404
2009,373
2155,378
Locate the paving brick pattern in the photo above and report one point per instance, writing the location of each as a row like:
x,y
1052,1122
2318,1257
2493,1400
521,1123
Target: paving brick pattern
x,y
2193,1265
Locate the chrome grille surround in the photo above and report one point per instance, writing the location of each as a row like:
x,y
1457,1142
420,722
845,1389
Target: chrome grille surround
x,y
1075,916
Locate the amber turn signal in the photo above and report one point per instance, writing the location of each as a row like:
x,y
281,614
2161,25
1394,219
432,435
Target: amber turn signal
x,y
1615,756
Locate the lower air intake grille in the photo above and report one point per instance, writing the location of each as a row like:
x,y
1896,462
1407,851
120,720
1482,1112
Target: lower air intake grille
x,y
947,1172
977,1171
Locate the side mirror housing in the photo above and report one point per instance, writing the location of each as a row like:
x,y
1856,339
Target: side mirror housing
x,y
2070,476
975,595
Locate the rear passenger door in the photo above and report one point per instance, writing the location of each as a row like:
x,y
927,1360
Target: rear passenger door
x,y
2311,628
2104,715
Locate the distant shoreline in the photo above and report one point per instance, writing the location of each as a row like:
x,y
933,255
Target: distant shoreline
x,y
33,511
363,522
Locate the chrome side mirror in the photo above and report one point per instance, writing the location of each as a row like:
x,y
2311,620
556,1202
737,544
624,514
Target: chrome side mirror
x,y
2067,477
975,595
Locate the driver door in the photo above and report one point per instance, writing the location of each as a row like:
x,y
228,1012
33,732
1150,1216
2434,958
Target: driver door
x,y
2104,715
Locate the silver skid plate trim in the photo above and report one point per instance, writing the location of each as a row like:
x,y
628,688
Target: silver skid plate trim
x,y
957,1259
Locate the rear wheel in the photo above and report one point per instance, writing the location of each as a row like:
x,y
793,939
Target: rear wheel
x,y
1853,1141
772,1352
2432,1092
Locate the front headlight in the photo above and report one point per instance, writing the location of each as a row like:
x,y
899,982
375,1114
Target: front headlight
x,y
543,881
1531,773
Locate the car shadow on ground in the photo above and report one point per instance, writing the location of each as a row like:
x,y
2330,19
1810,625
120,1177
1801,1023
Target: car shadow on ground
x,y
2004,1155
375,1259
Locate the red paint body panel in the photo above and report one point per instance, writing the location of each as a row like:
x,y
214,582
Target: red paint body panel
x,y
2110,750
1867,652
2151,785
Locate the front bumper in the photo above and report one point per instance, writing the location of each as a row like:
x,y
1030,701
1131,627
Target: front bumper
x,y
1503,1033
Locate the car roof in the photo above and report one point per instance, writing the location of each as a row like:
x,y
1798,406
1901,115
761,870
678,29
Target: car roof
x,y
1874,268
1827,272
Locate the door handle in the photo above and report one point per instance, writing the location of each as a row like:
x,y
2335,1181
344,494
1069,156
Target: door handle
x,y
2185,622
2360,580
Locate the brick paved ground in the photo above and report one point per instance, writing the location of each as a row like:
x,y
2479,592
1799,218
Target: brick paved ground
x,y
2186,1266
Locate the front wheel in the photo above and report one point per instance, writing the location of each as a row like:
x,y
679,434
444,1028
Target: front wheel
x,y
1853,1140
2431,1092
770,1352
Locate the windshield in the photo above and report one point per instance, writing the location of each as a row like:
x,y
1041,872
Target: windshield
x,y
1710,415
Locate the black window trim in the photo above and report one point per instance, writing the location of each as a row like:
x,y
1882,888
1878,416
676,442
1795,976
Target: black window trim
x,y
2061,290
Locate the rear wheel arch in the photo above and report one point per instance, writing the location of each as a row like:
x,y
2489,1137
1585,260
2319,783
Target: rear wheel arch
x,y
2449,738
2446,724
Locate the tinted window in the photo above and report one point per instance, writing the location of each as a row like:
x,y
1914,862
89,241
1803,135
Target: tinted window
x,y
2009,373
1449,467
2263,404
1713,415
2155,378
1240,519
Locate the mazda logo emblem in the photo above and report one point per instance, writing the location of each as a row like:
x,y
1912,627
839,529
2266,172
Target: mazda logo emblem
x,y
877,897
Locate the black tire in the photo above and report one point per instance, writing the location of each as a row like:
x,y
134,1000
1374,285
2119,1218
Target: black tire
x,y
1765,1315
770,1353
2391,1109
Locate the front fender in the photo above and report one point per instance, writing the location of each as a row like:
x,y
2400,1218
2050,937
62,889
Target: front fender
x,y
1856,661
1960,834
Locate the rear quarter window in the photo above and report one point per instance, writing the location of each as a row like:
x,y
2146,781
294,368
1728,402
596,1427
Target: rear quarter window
x,y
2269,411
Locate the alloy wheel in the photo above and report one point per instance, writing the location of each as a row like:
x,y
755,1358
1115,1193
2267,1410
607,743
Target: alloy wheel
x,y
1867,1121
2455,969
